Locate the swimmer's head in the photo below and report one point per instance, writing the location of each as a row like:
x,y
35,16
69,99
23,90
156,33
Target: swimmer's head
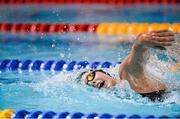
x,y
97,78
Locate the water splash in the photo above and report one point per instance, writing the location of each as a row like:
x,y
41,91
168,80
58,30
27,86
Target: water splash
x,y
64,85
160,68
62,91
174,50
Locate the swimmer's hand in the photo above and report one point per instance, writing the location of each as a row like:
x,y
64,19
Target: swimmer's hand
x,y
156,39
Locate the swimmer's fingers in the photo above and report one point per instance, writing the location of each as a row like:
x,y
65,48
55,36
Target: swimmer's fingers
x,y
159,31
163,34
165,44
163,39
156,38
157,43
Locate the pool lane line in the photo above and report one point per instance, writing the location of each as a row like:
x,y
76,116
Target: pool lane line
x,y
90,2
24,114
101,28
45,27
52,65
61,65
134,28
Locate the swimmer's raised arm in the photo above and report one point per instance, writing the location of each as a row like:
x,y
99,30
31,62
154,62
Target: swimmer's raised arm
x,y
132,69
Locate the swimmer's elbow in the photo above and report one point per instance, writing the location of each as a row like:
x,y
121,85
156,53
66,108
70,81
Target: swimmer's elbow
x,y
163,87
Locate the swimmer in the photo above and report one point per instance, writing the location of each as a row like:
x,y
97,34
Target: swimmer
x,y
131,68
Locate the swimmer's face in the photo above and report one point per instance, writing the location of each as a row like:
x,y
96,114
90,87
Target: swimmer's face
x,y
98,79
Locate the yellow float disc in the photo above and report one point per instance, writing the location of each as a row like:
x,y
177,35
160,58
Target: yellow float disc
x,y
6,114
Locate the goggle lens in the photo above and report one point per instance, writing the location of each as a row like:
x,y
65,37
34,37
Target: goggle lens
x,y
89,77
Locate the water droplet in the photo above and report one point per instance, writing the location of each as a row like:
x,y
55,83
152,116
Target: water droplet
x,y
62,55
53,45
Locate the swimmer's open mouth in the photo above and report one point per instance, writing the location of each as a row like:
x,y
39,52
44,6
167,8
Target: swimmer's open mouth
x,y
101,84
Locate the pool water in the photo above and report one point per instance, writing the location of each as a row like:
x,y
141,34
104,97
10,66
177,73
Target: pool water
x,y
90,13
60,91
68,46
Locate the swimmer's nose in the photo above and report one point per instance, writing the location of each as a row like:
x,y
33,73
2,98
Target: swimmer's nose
x,y
94,83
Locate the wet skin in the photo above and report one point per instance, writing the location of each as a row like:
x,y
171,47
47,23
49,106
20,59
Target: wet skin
x,y
131,69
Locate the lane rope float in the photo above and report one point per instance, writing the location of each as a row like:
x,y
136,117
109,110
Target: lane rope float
x,y
112,2
6,114
61,65
101,29
51,65
24,114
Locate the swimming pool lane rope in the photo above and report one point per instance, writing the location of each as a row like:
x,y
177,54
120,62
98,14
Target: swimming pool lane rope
x,y
23,114
61,65
112,2
101,28
51,65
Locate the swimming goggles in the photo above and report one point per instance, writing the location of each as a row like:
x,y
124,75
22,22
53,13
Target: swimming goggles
x,y
91,76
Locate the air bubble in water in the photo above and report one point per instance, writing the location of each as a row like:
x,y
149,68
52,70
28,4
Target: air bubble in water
x,y
53,45
62,55
57,14
85,58
69,55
